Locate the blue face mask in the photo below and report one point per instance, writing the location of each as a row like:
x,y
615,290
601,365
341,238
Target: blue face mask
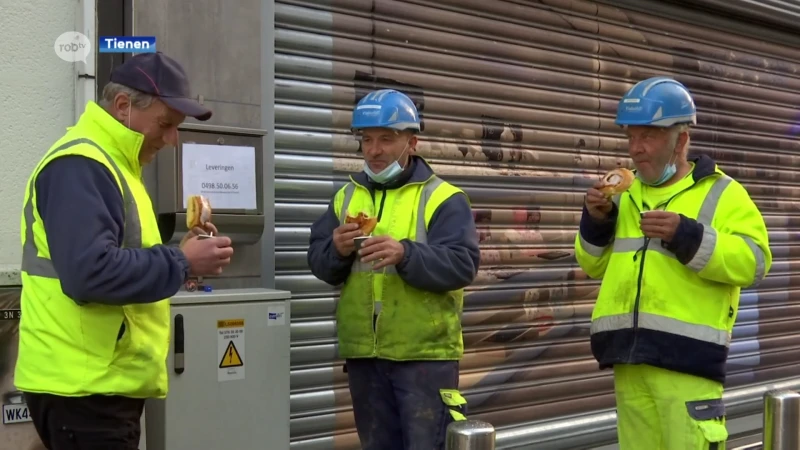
x,y
388,174
669,171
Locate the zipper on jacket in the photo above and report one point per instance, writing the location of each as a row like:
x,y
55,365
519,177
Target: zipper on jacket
x,y
376,319
638,295
383,201
641,275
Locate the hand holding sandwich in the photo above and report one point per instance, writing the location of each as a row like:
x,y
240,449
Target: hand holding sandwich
x,y
198,218
354,227
598,198
207,229
597,203
206,256
382,251
343,238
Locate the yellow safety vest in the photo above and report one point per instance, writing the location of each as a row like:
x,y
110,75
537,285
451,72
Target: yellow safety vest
x,y
411,324
651,308
68,349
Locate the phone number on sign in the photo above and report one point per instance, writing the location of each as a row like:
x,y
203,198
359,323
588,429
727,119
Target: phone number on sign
x,y
223,186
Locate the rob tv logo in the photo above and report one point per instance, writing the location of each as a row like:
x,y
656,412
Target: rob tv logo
x,y
72,46
127,44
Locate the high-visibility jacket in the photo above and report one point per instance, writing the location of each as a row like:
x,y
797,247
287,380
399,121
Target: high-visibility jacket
x,y
411,324
69,349
654,309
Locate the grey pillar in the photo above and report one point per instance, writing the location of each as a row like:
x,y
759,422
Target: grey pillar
x,y
781,420
470,435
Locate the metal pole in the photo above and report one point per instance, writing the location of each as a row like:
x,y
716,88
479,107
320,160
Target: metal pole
x,y
470,435
781,420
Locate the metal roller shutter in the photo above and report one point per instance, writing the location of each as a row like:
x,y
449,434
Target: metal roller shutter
x,y
772,12
518,102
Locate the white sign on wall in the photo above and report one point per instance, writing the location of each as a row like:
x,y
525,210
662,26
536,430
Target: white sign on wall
x,y
224,174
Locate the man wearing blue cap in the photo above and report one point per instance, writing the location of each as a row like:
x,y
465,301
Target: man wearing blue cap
x,y
399,314
94,332
674,252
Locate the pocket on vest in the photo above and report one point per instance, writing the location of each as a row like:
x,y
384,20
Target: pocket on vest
x,y
103,329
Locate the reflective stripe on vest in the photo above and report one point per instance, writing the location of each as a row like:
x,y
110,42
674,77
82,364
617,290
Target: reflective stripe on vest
x,y
656,322
422,228
706,249
35,265
701,258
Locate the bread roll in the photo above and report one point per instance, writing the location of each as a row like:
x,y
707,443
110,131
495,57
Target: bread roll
x,y
198,212
617,181
366,223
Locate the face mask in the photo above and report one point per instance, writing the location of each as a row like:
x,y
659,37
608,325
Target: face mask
x,y
388,174
669,171
128,125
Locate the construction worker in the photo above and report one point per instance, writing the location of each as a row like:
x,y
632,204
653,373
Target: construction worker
x,y
674,252
95,322
399,315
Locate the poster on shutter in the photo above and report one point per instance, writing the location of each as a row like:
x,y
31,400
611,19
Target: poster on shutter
x,y
16,430
224,174
230,350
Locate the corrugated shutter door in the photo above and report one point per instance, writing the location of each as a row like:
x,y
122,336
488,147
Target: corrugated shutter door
x,y
518,102
768,12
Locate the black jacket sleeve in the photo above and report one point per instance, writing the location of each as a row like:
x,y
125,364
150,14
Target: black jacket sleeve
x,y
83,213
451,258
323,259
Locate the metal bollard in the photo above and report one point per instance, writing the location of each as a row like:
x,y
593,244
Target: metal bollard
x,y
781,420
470,435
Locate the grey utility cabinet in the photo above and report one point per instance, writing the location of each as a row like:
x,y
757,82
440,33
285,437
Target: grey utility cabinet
x,y
228,373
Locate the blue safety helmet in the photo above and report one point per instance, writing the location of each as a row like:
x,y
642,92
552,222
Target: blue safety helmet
x,y
657,102
386,108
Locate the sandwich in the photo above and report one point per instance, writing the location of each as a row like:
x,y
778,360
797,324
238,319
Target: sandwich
x,y
617,181
198,212
365,223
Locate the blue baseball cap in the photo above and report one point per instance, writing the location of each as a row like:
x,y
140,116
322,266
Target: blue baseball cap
x,y
159,75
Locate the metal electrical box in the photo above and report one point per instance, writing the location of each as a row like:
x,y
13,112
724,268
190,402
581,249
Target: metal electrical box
x,y
228,373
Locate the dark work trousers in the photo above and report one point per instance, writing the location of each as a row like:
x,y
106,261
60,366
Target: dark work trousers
x,y
397,405
95,422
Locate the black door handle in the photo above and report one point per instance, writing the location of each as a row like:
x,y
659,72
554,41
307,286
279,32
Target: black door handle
x,y
179,344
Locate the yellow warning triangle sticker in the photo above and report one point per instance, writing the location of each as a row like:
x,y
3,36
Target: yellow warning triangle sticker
x,y
231,357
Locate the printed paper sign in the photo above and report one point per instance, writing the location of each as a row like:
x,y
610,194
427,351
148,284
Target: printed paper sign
x,y
224,174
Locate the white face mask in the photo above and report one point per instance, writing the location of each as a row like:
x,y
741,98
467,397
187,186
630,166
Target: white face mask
x,y
390,173
670,169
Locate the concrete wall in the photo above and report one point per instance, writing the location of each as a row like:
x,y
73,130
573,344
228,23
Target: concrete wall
x,y
38,95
